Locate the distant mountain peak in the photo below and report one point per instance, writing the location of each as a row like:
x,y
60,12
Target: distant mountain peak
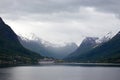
x,y
90,40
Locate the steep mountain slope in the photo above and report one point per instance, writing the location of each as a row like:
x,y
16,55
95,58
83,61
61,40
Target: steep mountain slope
x,y
46,48
10,48
106,52
87,44
33,45
105,38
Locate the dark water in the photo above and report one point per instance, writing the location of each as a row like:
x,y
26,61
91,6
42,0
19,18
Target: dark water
x,y
59,72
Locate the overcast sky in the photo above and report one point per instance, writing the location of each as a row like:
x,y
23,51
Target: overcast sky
x,y
61,21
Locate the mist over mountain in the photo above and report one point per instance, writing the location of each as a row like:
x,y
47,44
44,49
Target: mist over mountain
x,y
46,48
18,49
11,49
89,43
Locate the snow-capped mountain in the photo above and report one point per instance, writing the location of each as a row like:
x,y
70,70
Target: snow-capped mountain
x,y
105,38
87,44
46,48
107,50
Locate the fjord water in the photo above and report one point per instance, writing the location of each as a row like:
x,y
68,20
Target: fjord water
x,y
59,72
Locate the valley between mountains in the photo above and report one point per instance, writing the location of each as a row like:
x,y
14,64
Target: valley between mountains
x,y
16,49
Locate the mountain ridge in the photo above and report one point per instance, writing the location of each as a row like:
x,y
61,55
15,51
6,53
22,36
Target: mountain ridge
x,y
108,52
11,49
48,49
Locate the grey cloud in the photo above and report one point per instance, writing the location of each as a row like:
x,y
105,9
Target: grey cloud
x,y
48,6
61,13
21,8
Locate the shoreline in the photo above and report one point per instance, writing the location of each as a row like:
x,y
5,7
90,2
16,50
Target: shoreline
x,y
66,64
93,64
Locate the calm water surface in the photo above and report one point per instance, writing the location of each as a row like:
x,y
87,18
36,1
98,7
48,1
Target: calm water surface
x,y
59,72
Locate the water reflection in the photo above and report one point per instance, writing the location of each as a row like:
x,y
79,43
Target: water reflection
x,y
59,72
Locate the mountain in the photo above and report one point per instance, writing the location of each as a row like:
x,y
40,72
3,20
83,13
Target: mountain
x,y
87,44
108,52
34,45
105,38
46,48
11,50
